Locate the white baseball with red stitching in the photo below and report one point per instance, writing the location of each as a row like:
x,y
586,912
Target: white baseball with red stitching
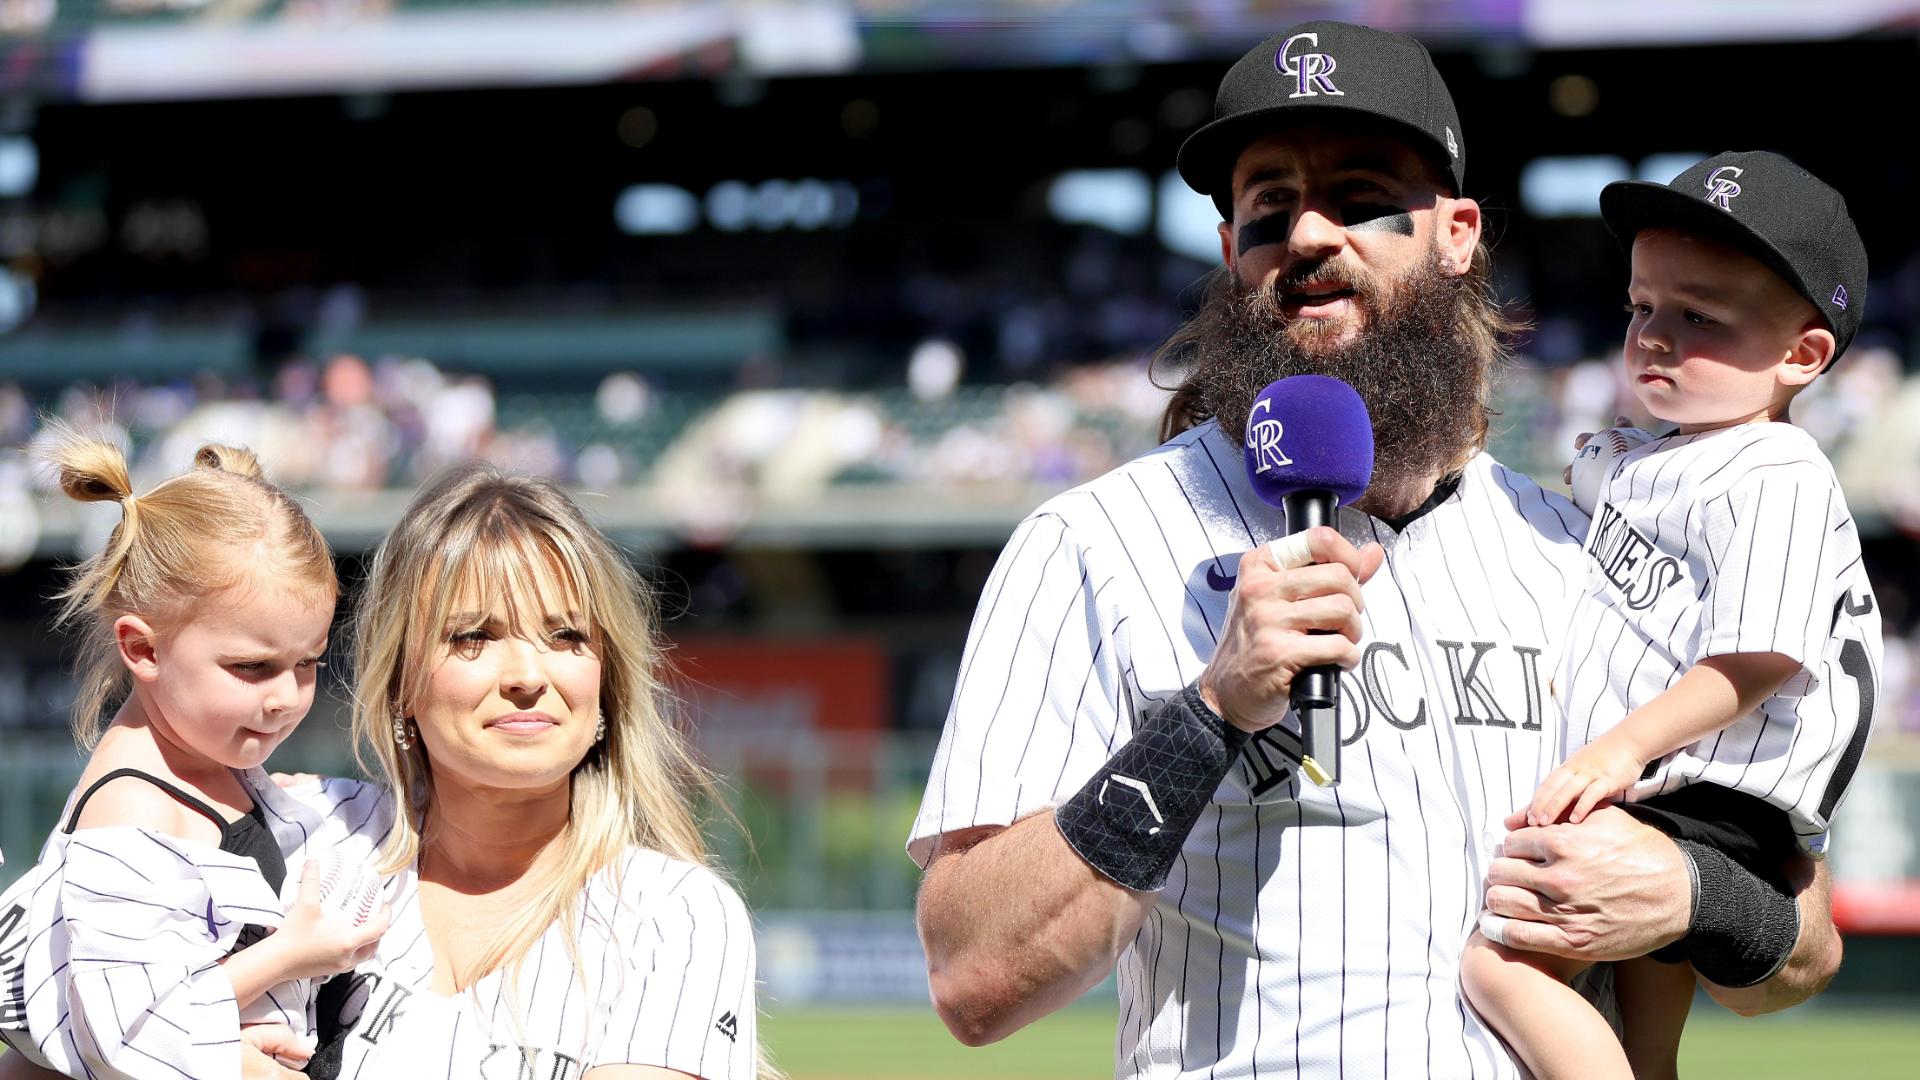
x,y
1594,463
351,888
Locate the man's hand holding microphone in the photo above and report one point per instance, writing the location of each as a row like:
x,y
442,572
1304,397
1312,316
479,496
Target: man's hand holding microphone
x,y
1293,620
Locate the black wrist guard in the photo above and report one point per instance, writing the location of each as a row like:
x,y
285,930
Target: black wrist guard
x,y
1130,820
1744,927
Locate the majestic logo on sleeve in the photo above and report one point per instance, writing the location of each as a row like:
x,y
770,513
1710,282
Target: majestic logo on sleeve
x,y
1720,189
1313,71
1263,438
1629,560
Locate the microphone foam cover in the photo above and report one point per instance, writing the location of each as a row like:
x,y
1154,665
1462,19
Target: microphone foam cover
x,y
1309,433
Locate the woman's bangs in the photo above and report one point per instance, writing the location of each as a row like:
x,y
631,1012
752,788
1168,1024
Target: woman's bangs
x,y
516,575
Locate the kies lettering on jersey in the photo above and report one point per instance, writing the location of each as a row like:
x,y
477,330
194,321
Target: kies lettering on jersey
x,y
1303,929
1628,559
1731,541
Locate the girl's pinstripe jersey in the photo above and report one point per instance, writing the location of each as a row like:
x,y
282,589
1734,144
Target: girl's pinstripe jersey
x,y
1305,931
1731,541
110,946
664,976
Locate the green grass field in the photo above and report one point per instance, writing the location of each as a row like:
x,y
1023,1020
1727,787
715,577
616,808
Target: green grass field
x,y
901,1044
1820,1042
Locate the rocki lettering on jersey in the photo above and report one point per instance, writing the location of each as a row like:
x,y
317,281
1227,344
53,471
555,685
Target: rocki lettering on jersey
x,y
1488,685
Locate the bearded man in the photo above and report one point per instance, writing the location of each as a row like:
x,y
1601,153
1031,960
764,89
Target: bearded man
x,y
1119,782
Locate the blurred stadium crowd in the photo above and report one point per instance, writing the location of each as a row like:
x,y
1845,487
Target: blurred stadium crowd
x,y
349,424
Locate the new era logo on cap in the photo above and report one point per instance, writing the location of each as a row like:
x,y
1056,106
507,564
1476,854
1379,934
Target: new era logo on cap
x,y
1840,297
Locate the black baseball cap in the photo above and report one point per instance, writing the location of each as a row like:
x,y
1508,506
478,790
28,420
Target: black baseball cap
x,y
1761,203
1325,72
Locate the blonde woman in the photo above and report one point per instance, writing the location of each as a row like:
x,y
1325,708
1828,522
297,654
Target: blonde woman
x,y
553,913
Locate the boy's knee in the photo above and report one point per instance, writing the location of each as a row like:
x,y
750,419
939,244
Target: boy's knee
x,y
1485,968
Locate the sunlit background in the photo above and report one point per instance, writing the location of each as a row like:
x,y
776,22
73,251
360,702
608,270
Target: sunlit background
x,y
813,301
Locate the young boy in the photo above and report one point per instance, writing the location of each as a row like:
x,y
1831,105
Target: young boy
x,y
1721,671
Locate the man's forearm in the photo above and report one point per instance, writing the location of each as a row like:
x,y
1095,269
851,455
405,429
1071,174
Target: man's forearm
x,y
1017,926
1815,959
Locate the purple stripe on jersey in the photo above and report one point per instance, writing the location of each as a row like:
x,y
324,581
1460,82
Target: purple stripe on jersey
x,y
1145,588
1172,560
158,1060
123,899
714,1009
75,843
1046,678
43,985
195,943
1026,532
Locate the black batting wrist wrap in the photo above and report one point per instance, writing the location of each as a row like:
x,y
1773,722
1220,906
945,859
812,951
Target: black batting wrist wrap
x,y
1130,820
1743,927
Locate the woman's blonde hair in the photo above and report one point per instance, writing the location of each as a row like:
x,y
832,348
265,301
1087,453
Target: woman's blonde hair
x,y
216,527
513,538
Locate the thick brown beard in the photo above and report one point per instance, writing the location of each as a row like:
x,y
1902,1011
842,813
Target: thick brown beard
x,y
1422,370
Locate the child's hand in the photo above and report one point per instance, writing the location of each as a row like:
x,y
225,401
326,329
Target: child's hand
x,y
1596,773
1580,442
290,781
278,1042
317,939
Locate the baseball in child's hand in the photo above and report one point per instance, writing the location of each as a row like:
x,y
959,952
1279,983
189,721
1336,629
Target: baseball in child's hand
x,y
1593,463
336,921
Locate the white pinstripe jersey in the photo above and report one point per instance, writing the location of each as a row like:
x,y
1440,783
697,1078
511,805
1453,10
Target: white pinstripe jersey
x,y
665,978
1732,541
110,945
1304,931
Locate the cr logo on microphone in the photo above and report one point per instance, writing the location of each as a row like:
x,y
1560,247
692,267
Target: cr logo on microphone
x,y
1263,439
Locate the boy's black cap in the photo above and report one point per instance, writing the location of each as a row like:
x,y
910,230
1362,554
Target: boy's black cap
x,y
1320,72
1770,208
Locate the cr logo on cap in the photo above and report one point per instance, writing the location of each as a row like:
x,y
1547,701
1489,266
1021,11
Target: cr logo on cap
x,y
1313,69
1722,190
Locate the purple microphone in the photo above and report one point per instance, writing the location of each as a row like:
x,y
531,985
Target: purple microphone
x,y
1309,452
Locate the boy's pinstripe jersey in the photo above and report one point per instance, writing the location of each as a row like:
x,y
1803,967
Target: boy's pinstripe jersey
x,y
1732,541
1304,930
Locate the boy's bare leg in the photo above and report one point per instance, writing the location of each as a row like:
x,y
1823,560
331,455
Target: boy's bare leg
x,y
1654,999
1525,997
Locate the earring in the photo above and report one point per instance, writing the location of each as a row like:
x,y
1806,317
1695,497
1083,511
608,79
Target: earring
x,y
600,729
402,738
